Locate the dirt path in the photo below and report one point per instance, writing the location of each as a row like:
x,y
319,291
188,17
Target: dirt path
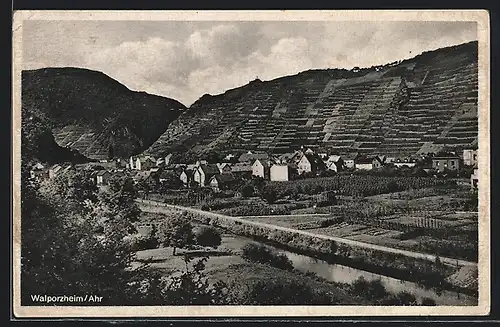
x,y
145,205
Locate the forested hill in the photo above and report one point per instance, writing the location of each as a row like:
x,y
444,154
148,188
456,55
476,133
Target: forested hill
x,y
94,114
400,108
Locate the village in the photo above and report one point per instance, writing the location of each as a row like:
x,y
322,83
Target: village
x,y
301,164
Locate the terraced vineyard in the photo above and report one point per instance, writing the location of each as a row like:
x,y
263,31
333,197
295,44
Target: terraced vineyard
x,y
396,109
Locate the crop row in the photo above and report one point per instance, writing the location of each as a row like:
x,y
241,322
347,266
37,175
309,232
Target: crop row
x,y
365,185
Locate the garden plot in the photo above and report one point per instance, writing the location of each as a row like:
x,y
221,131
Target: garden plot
x,y
341,230
292,221
414,220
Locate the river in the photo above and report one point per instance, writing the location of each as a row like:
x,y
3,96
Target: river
x,y
344,274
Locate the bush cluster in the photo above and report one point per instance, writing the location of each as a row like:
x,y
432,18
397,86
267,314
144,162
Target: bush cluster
x,y
263,254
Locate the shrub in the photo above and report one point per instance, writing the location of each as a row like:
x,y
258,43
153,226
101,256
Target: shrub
x,y
372,290
401,298
284,292
208,236
247,191
215,204
427,301
256,210
269,195
263,254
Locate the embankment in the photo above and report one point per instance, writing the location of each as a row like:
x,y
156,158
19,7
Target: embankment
x,y
407,265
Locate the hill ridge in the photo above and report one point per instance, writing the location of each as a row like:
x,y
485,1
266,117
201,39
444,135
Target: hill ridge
x,y
395,109
94,114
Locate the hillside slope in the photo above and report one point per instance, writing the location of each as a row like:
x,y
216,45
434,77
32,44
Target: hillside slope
x,y
395,109
94,114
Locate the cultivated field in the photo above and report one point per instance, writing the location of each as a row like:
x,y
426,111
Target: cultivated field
x,y
435,216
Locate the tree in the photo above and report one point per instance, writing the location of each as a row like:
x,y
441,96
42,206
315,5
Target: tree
x,y
170,181
247,190
74,240
193,288
177,232
269,195
208,236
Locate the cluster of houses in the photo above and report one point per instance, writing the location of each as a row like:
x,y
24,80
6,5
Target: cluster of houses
x,y
284,167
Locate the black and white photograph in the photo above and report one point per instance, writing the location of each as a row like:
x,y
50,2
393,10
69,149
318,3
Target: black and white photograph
x,y
256,163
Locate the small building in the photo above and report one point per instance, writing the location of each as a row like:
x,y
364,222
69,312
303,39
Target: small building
x,y
285,158
119,174
390,159
349,160
281,173
160,162
250,157
144,177
220,182
167,159
186,177
54,171
102,177
474,179
121,163
309,151
310,163
145,163
404,162
470,157
242,168
203,173
39,172
201,162
260,168
224,167
368,163
167,175
334,163
378,162
448,161
132,161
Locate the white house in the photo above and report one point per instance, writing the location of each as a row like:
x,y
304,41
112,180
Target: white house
x,y
102,177
368,163
167,159
260,168
186,176
203,173
309,163
280,173
334,163
470,157
349,160
54,170
474,179
132,162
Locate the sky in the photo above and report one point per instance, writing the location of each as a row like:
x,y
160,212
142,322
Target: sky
x,y
185,60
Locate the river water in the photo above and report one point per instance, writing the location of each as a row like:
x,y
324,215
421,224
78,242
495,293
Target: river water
x,y
344,274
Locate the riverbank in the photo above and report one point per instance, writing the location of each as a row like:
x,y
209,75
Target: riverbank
x,y
419,268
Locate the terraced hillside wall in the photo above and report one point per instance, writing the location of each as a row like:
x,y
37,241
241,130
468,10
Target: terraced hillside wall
x,y
393,109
